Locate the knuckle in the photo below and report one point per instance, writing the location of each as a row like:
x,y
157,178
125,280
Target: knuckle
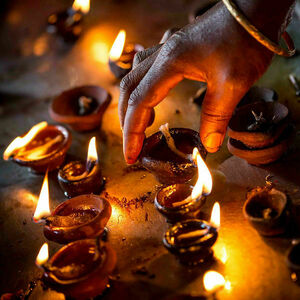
x,y
138,57
126,82
174,46
134,97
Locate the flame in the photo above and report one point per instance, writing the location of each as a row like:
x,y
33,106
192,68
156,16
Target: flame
x,y
42,209
215,215
118,46
82,5
43,255
20,142
92,151
213,281
204,182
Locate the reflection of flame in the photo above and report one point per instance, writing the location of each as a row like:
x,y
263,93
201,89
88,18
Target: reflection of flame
x,y
215,215
221,253
118,46
43,255
213,281
20,142
100,51
42,209
204,182
82,5
92,152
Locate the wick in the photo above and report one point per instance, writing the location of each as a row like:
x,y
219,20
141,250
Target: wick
x,y
192,234
171,143
179,203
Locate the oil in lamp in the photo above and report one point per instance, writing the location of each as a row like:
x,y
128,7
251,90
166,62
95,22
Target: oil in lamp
x,y
266,210
293,261
121,55
191,240
182,201
42,148
79,270
168,154
68,23
81,217
78,177
81,108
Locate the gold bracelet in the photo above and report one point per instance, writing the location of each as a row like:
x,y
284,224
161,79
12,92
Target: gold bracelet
x,y
252,30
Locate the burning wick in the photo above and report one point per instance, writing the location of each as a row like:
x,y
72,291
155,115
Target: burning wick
x,y
203,185
118,46
82,6
42,210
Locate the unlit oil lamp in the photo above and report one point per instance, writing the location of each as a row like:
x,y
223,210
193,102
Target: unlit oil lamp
x,y
68,23
79,270
78,177
293,261
266,210
121,55
42,147
81,217
81,108
191,240
182,201
168,154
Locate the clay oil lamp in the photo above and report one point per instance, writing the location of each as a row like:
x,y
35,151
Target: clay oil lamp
x,y
168,154
81,217
293,262
191,240
81,108
79,270
182,201
78,177
42,147
68,23
260,132
266,210
121,55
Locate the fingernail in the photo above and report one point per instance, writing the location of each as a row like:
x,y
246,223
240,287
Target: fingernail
x,y
213,141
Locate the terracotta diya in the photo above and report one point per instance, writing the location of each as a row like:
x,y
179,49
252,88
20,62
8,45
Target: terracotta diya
x,y
260,132
68,23
81,108
42,147
78,177
168,154
121,55
80,270
266,210
293,261
182,201
191,240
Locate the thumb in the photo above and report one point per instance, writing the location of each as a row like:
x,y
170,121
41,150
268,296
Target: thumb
x,y
218,106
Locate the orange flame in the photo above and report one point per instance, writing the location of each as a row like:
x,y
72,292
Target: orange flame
x,y
20,142
215,215
213,281
43,255
204,182
118,46
82,5
42,209
92,151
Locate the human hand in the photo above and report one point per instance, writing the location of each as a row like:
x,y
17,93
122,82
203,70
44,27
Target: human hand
x,y
214,49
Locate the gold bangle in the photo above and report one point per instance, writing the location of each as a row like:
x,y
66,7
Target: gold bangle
x,y
252,30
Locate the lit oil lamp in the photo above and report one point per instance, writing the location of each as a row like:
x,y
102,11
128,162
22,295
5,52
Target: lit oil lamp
x,y
213,282
80,270
191,240
293,262
81,108
168,154
266,210
81,217
42,147
78,177
182,201
121,55
68,23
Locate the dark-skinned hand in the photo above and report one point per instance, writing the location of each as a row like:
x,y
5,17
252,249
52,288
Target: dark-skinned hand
x,y
214,49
